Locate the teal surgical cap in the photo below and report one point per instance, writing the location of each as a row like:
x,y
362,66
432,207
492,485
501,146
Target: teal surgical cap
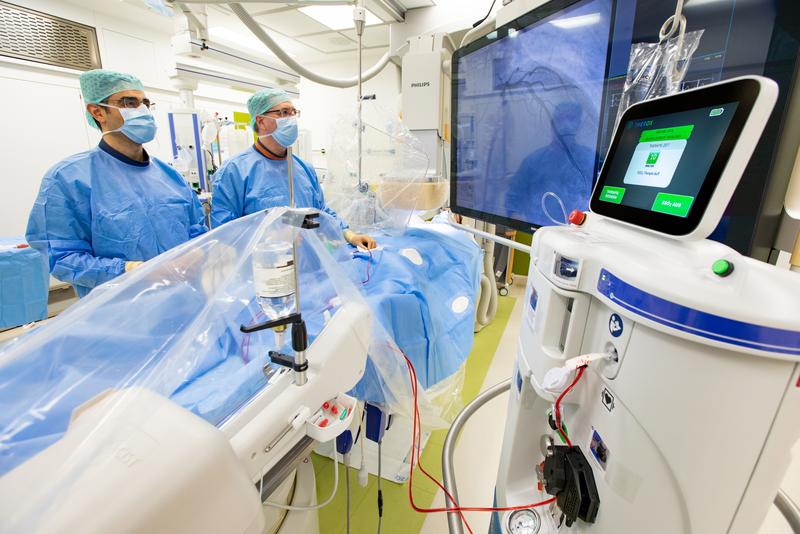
x,y
264,99
99,84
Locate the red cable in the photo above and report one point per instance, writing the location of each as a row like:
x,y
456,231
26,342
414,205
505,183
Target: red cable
x,y
416,456
369,264
456,509
558,405
416,439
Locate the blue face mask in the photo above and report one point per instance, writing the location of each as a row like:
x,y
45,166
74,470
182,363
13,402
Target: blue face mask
x,y
139,126
285,133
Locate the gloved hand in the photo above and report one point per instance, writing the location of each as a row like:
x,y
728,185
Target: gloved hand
x,y
130,265
360,240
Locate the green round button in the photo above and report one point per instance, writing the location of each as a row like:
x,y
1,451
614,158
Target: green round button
x,y
722,267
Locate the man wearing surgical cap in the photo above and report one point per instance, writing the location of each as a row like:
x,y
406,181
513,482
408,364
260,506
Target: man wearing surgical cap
x,y
103,212
257,179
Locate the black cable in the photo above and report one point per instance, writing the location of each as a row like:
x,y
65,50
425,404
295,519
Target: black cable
x,y
380,493
347,483
486,17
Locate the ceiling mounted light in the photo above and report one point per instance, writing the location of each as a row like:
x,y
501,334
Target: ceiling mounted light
x,y
337,17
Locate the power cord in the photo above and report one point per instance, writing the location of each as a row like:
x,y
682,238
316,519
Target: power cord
x,y
560,427
380,493
347,486
476,24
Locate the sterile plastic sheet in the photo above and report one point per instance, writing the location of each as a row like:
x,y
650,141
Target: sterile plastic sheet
x,y
397,177
172,327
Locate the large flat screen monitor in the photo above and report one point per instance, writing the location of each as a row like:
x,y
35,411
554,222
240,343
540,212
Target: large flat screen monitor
x,y
527,107
534,104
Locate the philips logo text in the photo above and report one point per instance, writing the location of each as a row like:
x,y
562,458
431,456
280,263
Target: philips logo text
x,y
421,84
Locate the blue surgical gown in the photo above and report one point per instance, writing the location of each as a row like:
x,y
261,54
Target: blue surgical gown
x,y
98,209
250,182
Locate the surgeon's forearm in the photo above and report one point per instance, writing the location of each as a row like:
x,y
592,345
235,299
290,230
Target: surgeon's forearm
x,y
83,269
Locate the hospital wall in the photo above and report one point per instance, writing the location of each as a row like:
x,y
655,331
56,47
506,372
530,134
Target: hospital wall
x,y
322,106
43,110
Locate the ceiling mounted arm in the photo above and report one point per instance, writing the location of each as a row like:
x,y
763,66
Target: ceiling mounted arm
x,y
197,18
259,32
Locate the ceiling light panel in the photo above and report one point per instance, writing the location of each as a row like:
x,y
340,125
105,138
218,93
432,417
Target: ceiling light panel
x,y
291,23
413,4
329,42
337,17
373,37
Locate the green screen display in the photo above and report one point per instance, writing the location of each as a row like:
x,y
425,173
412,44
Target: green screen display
x,y
661,161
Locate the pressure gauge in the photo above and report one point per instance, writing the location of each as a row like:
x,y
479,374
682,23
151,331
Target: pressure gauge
x,y
524,522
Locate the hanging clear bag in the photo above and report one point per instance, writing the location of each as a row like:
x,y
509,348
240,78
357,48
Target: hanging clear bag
x,y
658,69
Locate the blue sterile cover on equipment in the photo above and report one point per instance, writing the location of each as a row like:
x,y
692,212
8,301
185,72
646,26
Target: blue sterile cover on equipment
x,y
23,283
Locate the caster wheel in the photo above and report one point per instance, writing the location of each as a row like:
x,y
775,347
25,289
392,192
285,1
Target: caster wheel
x,y
503,291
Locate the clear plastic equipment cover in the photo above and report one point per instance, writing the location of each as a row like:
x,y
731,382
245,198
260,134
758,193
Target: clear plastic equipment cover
x,y
397,177
172,327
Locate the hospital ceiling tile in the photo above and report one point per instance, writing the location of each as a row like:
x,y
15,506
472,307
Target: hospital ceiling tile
x,y
291,23
373,35
329,42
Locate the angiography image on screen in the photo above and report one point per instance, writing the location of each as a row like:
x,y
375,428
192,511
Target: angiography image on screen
x,y
527,116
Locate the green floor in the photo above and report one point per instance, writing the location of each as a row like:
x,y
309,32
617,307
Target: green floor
x,y
398,517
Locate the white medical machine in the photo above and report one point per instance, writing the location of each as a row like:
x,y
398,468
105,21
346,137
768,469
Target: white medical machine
x,y
133,461
683,421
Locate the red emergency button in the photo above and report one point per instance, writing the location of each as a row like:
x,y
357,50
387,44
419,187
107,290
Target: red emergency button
x,y
326,406
577,217
323,423
334,409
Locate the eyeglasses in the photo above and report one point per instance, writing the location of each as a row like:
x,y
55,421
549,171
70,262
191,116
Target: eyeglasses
x,y
284,112
131,102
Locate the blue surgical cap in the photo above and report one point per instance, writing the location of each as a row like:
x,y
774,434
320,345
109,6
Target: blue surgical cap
x,y
99,84
263,100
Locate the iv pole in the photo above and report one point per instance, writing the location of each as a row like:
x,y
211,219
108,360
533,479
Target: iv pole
x,y
359,19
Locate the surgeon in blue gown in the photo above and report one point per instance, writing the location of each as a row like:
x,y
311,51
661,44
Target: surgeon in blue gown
x,y
564,167
103,212
257,179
